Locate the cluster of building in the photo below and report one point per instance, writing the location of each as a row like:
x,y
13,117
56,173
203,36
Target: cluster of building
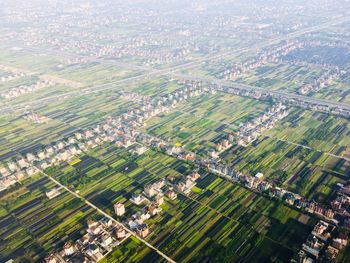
x,y
14,171
273,54
11,74
258,184
314,44
323,244
250,131
323,81
101,237
118,130
23,89
141,48
134,97
151,199
255,183
185,185
35,117
341,205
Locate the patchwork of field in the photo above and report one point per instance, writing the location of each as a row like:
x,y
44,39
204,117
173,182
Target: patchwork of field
x,y
218,221
31,224
201,122
65,117
76,69
296,153
216,216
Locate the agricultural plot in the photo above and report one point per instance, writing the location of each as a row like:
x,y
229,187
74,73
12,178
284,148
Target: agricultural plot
x,y
201,123
68,70
298,154
159,86
66,117
76,70
32,225
280,76
216,216
319,131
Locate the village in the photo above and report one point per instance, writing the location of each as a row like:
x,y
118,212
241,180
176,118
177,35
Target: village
x,y
123,132
101,237
185,131
24,89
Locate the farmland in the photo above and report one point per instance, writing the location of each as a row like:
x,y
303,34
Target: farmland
x,y
217,213
195,131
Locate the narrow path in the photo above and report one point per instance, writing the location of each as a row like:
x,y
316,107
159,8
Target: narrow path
x,y
107,216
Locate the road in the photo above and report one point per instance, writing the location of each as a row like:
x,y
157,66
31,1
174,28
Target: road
x,y
277,93
106,215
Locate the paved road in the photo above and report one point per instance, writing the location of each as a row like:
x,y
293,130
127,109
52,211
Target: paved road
x,y
277,93
107,215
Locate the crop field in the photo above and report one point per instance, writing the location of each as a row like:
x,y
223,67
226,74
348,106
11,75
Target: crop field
x,y
102,69
217,215
319,131
295,153
65,117
76,70
32,225
202,122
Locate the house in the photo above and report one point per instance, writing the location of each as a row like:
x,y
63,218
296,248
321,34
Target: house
x,y
69,248
331,254
139,149
106,240
313,246
141,216
142,230
340,242
41,155
120,233
153,209
94,228
132,224
22,163
171,194
195,176
329,213
213,154
181,186
94,252
149,190
323,230
12,166
4,171
159,199
259,176
51,259
119,209
50,194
